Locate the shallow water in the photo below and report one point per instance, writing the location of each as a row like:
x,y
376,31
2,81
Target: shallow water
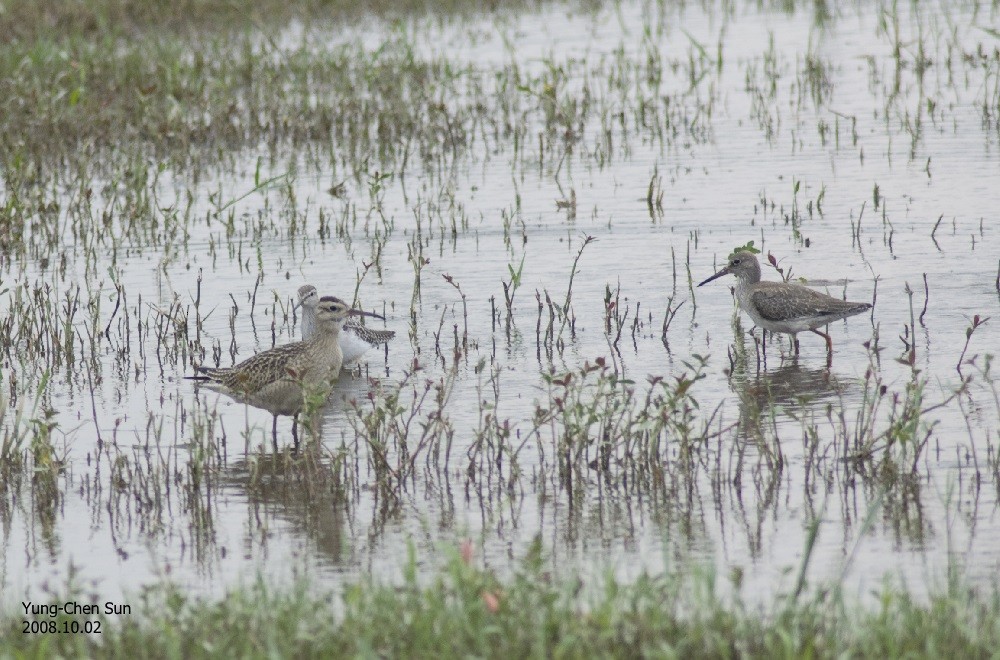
x,y
745,164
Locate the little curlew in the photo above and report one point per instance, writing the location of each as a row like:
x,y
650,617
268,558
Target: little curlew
x,y
785,307
355,339
280,379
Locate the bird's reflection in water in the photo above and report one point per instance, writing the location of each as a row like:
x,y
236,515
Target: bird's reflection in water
x,y
312,493
795,414
767,400
790,384
306,493
302,489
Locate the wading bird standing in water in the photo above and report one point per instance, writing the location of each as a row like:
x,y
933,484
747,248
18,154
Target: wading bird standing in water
x,y
785,307
280,380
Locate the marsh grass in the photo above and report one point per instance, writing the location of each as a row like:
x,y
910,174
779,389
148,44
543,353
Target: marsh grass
x,y
404,426
464,609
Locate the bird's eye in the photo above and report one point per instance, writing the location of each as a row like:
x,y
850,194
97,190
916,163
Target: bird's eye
x,y
735,262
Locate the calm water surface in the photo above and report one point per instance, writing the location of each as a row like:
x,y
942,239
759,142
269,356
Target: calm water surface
x,y
759,151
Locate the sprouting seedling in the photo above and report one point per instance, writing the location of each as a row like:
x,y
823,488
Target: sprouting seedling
x,y
376,187
668,317
360,276
510,288
258,186
587,240
614,317
771,259
415,254
976,322
568,204
465,310
744,248
654,195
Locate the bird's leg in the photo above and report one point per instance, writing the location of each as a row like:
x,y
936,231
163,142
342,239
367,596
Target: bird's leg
x,y
295,431
795,341
763,347
829,347
829,342
274,434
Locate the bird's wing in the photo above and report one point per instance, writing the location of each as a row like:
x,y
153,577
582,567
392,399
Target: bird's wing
x,y
369,335
267,367
786,304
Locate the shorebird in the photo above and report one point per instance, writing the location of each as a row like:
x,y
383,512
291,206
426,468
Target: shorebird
x,y
280,380
355,339
785,307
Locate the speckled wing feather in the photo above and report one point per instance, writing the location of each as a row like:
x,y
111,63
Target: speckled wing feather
x,y
776,304
254,373
369,335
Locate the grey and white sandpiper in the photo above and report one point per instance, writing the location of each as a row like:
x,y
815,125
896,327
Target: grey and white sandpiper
x,y
355,339
280,379
782,306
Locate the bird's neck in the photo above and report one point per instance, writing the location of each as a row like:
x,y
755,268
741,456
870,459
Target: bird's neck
x,y
743,285
326,343
327,332
309,322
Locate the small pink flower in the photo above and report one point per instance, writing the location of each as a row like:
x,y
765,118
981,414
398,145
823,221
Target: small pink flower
x,y
466,550
492,602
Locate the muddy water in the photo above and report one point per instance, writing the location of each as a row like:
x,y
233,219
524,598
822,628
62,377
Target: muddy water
x,y
833,178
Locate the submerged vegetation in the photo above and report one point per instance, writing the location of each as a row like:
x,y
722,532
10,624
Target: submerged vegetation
x,y
535,221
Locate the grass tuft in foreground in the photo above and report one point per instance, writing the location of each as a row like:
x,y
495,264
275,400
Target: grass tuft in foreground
x,y
465,611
